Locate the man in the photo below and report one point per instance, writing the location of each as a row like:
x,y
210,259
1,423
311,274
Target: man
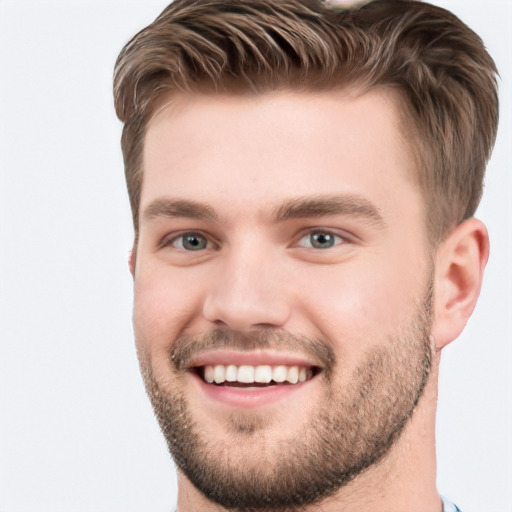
x,y
303,180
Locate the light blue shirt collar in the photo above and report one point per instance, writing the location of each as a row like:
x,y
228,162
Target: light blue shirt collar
x,y
448,506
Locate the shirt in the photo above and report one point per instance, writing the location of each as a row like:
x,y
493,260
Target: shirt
x,y
448,506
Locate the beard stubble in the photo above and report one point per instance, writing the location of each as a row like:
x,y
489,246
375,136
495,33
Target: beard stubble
x,y
351,430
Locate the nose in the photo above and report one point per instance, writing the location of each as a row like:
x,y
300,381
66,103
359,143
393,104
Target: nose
x,y
247,293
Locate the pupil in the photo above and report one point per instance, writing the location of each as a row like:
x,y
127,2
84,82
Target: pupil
x,y
322,240
194,242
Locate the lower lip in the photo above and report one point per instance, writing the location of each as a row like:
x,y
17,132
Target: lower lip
x,y
246,398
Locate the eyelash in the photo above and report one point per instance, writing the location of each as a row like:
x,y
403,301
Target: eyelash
x,y
169,242
337,239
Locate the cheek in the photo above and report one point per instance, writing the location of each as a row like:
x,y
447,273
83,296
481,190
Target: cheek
x,y
357,306
162,308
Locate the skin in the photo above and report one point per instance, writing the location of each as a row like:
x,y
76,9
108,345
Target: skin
x,y
258,272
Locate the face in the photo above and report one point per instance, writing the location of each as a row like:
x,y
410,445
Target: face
x,y
282,290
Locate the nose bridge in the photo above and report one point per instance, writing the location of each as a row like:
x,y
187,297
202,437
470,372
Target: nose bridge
x,y
247,291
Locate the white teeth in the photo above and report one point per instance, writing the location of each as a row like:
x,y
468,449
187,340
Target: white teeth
x,y
208,374
293,374
219,373
262,374
231,373
246,374
279,373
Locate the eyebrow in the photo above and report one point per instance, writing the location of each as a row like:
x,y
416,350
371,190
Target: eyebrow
x,y
301,207
325,205
173,208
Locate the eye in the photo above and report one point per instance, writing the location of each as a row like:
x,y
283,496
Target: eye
x,y
189,242
320,240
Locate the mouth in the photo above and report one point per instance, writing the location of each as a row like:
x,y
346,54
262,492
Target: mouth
x,y
260,376
247,380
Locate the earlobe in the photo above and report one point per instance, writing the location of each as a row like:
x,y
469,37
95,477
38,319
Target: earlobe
x,y
460,264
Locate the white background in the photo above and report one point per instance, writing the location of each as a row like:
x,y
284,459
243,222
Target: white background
x,y
76,430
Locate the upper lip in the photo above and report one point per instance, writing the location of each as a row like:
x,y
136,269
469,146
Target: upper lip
x,y
252,358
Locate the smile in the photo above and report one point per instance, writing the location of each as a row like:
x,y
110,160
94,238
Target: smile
x,y
240,376
251,379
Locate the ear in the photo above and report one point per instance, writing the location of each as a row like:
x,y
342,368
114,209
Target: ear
x,y
131,260
460,264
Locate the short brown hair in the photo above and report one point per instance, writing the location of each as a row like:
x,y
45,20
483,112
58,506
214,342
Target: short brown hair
x,y
445,78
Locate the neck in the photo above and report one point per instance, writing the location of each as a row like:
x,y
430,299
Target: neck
x,y
404,480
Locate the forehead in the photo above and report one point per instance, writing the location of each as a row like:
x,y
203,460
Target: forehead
x,y
259,150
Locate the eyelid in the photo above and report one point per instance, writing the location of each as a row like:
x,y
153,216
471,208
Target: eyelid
x,y
169,239
343,236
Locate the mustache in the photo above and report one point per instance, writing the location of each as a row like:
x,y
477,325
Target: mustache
x,y
186,348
